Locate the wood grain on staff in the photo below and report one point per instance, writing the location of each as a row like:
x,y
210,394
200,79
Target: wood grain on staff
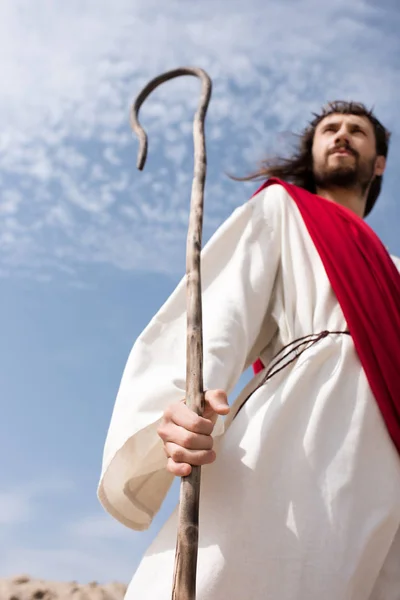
x,y
184,582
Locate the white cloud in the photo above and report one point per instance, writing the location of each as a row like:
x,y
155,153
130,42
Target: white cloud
x,y
67,156
10,201
15,507
40,536
19,503
99,526
65,541
67,563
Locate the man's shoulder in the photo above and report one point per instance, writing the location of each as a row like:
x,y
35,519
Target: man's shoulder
x,y
272,190
271,200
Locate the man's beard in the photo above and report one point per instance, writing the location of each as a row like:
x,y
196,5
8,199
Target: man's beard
x,y
358,175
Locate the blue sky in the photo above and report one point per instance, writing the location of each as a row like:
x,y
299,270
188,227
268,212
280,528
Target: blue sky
x,y
90,248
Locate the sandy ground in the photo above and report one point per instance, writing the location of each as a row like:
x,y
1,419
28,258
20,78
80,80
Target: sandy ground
x,y
24,587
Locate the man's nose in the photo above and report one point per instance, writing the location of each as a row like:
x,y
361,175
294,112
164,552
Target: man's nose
x,y
342,136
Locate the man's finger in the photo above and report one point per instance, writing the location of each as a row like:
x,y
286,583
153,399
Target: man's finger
x,y
217,401
178,469
192,457
182,415
187,439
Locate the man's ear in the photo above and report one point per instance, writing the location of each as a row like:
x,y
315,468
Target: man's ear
x,y
380,165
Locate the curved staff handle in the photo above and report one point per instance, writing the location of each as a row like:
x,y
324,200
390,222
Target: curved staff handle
x,y
184,583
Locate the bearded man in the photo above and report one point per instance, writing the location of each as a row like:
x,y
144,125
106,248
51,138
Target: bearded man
x,y
300,494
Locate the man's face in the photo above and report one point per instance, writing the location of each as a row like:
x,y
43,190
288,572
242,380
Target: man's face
x,y
344,152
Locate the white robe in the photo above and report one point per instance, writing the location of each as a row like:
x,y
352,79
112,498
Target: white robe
x,y
303,500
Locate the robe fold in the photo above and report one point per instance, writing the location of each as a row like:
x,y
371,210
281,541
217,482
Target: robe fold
x,y
303,500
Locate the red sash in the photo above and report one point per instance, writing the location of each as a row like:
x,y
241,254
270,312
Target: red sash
x,y
366,283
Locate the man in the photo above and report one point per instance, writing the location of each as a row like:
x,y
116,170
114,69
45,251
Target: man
x,y
300,494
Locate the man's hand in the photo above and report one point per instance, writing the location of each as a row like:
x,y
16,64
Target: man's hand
x,y
187,437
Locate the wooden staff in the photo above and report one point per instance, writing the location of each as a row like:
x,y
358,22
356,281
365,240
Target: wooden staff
x,y
184,582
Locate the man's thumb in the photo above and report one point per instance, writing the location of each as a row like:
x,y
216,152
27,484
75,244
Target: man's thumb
x,y
218,401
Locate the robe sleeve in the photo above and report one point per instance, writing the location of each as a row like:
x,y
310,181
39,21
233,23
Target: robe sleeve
x,y
240,267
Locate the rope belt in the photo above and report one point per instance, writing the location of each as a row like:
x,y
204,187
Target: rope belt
x,y
294,348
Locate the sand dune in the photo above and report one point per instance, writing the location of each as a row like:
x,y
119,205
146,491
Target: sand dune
x,y
24,587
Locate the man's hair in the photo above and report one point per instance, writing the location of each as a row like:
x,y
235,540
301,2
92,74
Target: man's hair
x,y
298,169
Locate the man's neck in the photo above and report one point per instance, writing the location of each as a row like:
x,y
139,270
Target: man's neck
x,y
349,197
